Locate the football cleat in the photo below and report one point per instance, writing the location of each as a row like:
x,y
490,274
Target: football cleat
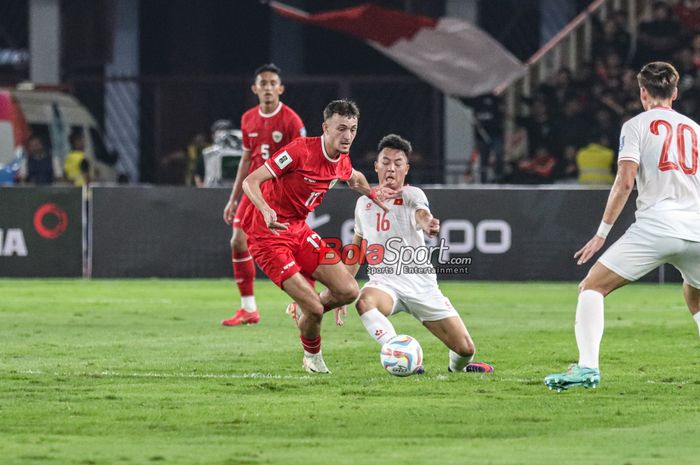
x,y
294,311
475,367
313,363
478,367
574,376
242,317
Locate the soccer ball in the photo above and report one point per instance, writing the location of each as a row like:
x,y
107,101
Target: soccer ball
x,y
402,356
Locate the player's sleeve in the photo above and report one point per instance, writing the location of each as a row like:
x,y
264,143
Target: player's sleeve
x,y
415,199
284,160
629,142
358,220
296,128
246,139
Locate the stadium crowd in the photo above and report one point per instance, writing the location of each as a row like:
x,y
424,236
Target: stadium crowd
x,y
573,121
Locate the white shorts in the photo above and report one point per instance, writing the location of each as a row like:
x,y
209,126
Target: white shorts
x,y
639,251
430,305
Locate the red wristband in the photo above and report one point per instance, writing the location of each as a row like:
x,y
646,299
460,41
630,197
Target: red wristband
x,y
372,193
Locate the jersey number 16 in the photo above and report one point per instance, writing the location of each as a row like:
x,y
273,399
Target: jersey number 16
x,y
667,165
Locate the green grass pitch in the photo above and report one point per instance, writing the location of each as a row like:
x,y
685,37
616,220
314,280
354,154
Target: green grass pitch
x,y
141,372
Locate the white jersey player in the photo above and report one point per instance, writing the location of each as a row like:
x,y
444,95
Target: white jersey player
x,y
411,288
660,148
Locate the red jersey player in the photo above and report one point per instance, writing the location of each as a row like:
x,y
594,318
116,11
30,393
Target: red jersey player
x,y
266,128
284,191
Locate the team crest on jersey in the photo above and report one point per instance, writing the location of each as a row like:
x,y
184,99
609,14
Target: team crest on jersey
x,y
369,206
277,136
283,159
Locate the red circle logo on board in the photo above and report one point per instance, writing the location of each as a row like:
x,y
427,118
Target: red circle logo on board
x,y
57,214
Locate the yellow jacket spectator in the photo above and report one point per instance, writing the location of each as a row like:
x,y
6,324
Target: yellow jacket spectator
x,y
75,167
595,162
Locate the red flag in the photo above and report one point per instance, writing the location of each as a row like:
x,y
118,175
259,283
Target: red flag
x,y
453,55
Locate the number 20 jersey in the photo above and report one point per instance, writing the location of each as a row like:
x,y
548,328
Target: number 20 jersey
x,y
664,143
265,133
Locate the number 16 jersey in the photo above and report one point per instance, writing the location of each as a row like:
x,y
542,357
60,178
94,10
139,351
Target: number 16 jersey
x,y
664,143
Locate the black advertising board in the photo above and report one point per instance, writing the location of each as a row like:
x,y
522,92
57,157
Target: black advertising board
x,y
519,234
41,232
160,232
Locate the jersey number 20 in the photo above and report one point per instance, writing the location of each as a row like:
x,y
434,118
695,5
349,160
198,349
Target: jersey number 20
x,y
667,165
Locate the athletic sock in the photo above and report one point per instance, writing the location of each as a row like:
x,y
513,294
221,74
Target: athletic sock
x,y
378,326
244,275
589,327
696,317
311,346
248,303
457,362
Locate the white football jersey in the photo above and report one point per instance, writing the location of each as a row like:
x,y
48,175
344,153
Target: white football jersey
x,y
665,145
393,230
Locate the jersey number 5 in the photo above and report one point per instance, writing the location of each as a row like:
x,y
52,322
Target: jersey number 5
x,y
667,165
265,151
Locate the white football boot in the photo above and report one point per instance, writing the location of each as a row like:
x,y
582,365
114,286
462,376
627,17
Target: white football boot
x,y
313,363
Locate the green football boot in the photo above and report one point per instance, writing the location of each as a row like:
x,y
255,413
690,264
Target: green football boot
x,y
574,376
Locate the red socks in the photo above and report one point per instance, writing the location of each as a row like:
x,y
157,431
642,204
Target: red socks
x,y
243,272
312,346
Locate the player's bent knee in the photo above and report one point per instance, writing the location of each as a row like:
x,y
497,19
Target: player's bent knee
x,y
347,293
364,304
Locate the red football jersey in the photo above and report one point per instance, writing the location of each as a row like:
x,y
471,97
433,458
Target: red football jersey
x,y
303,173
265,133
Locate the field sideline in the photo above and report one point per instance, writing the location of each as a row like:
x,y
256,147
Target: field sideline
x,y
140,371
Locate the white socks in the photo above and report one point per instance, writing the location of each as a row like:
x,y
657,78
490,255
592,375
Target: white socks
x,y
457,362
248,303
696,317
378,326
589,327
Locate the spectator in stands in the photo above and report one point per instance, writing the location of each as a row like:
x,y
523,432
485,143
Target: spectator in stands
x,y
195,161
688,14
540,128
595,161
76,168
539,169
39,167
612,39
657,38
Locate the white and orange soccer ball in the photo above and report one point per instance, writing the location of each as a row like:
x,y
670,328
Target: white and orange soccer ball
x,y
402,355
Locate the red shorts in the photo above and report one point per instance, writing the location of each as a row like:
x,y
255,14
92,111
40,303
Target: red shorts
x,y
281,255
240,211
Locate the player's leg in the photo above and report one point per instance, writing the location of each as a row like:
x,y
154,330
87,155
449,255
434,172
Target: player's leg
x,y
439,316
341,287
692,298
374,305
688,263
635,254
244,275
590,310
243,271
303,293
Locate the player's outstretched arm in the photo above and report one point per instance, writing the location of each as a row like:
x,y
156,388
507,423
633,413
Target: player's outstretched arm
x,y
358,182
251,187
620,192
243,167
427,222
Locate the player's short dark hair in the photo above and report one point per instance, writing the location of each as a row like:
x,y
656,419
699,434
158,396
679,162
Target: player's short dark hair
x,y
268,67
394,141
343,107
659,79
